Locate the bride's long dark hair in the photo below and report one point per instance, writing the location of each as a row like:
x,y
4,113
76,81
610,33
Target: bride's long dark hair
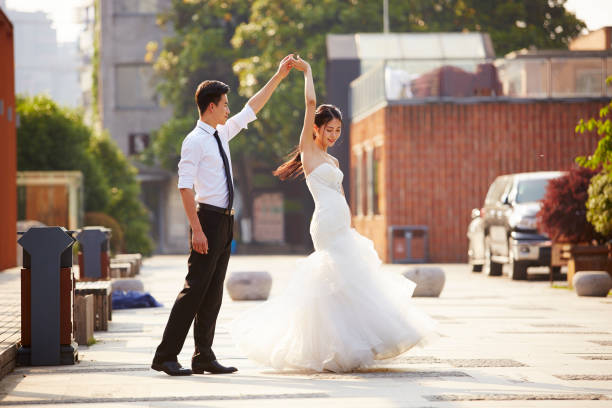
x,y
292,168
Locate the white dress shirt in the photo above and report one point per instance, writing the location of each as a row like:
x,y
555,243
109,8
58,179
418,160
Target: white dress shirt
x,y
201,165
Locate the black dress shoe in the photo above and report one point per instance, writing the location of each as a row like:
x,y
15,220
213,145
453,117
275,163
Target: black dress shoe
x,y
212,367
171,368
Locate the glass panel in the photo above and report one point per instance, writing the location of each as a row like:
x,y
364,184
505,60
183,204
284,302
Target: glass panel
x,y
435,78
135,6
134,87
525,78
576,77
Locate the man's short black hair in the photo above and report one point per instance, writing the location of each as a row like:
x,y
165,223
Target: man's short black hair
x,y
209,91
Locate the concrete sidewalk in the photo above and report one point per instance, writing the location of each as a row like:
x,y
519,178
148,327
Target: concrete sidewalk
x,y
504,344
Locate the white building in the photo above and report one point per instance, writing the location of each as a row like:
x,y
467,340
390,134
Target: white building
x,y
42,65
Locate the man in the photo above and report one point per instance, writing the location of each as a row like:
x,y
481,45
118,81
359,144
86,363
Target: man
x,y
206,165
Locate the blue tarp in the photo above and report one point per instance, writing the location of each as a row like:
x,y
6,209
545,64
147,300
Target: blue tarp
x,y
133,300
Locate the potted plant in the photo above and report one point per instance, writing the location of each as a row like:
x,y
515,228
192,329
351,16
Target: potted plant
x,y
563,216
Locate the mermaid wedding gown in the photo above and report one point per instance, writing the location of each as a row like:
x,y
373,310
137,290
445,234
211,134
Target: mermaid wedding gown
x,y
340,311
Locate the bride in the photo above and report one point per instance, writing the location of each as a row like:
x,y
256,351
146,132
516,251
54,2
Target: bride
x,y
340,311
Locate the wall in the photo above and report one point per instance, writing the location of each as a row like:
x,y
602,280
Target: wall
x,y
8,153
440,158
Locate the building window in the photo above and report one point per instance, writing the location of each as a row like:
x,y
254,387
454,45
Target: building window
x,y
370,180
138,143
135,7
134,88
9,113
358,187
1,107
376,179
363,180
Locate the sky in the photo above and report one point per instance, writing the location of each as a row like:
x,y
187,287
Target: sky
x,y
596,13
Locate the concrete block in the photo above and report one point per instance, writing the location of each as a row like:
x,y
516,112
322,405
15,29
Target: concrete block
x,y
249,285
429,280
592,283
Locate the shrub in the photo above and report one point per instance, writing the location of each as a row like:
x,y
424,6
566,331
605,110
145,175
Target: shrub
x,y
599,204
563,212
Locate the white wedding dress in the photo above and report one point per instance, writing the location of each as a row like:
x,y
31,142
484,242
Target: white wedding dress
x,y
340,311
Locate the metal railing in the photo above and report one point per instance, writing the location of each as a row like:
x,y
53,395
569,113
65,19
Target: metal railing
x,y
422,80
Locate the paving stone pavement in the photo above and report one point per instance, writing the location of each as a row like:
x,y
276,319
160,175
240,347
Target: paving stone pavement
x,y
503,344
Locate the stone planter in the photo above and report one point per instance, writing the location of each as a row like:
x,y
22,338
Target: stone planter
x,y
587,258
429,280
592,283
249,285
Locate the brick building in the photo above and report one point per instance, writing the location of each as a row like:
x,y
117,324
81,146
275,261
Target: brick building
x,y
429,135
431,164
8,153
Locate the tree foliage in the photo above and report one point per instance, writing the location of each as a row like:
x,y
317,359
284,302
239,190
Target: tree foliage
x,y
599,204
51,137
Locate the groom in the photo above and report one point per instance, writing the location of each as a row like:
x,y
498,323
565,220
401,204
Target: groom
x,y
206,165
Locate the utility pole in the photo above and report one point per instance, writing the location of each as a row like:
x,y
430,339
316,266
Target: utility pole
x,y
386,16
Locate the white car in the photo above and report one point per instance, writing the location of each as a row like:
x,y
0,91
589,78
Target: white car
x,y
504,230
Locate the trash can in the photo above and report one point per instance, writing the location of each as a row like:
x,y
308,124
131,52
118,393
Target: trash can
x,y
94,253
47,295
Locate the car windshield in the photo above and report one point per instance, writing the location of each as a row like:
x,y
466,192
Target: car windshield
x,y
531,190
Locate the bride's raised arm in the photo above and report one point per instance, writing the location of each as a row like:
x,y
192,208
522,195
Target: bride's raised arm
x,y
306,139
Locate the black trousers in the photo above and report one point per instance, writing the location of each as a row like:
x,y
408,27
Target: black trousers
x,y
202,294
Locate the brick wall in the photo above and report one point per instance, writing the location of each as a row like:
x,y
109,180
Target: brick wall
x,y
440,158
8,153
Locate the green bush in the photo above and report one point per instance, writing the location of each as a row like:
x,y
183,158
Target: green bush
x,y
599,204
51,137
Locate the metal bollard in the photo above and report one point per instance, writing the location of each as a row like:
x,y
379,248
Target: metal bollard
x,y
47,289
94,256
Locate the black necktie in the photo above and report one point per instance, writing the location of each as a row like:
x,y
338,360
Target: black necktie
x,y
228,174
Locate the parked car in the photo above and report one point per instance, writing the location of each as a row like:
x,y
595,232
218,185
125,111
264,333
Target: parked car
x,y
504,230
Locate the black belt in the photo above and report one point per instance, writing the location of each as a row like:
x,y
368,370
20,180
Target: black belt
x,y
220,210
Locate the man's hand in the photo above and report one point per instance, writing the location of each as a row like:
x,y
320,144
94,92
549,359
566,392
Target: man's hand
x,y
285,66
258,100
199,242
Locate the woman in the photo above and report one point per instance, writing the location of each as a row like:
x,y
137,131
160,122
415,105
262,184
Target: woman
x,y
340,311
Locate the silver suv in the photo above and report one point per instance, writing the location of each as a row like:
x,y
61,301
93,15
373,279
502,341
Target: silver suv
x,y
504,230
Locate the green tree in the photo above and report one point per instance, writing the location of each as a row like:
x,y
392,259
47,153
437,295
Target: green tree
x,y
124,192
51,137
512,24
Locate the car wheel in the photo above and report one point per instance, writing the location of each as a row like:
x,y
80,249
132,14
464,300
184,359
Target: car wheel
x,y
476,268
518,270
492,268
